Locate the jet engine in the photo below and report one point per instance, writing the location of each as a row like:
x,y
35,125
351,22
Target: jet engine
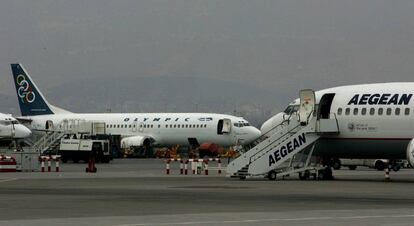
x,y
410,153
135,141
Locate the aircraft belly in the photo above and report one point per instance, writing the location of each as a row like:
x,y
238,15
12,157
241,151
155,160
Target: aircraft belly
x,y
362,148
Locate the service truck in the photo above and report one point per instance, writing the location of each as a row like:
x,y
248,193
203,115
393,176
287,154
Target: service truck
x,y
80,149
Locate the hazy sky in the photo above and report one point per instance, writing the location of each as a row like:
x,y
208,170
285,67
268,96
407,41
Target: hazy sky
x,y
285,45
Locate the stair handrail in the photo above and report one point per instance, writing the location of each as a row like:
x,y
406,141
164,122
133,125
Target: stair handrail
x,y
50,137
264,148
278,125
288,132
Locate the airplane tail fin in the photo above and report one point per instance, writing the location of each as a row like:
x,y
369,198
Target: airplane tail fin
x,y
31,100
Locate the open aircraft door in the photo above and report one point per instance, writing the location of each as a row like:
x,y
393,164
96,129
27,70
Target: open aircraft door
x,y
49,125
325,104
307,105
224,126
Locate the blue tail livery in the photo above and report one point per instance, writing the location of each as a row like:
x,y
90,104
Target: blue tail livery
x,y
31,100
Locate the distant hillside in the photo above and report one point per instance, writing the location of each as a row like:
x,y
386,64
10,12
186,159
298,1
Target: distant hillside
x,y
161,94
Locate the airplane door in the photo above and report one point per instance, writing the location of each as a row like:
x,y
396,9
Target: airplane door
x,y
224,126
307,105
49,125
325,104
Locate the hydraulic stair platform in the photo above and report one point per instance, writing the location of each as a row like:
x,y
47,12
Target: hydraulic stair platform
x,y
285,141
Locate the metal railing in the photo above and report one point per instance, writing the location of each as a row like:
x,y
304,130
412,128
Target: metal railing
x,y
263,152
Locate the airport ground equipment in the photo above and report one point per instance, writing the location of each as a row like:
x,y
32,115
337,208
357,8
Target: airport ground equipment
x,y
68,127
79,149
206,165
168,165
49,160
197,165
387,174
26,161
296,134
91,162
7,164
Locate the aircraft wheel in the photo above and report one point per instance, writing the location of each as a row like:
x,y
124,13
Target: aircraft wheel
x,y
337,165
321,175
304,175
380,165
328,173
396,167
271,175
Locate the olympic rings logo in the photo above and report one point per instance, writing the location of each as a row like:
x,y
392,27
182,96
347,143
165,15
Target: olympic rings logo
x,y
24,91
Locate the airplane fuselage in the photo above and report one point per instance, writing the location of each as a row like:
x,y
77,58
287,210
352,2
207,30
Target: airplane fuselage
x,y
163,128
374,120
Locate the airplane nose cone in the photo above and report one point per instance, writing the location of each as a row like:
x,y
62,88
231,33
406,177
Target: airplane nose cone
x,y
254,133
22,131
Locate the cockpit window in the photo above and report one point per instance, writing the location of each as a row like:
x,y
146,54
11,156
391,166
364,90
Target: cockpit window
x,y
241,124
15,122
291,109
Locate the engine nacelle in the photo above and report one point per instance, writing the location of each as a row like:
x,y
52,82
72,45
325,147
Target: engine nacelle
x,y
410,153
135,141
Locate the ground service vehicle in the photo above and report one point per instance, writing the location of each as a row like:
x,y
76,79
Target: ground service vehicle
x,y
80,149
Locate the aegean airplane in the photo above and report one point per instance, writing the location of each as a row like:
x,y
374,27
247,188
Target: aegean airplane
x,y
374,121
136,129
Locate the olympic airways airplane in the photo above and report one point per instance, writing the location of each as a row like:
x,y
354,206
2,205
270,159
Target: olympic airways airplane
x,y
10,128
374,120
136,129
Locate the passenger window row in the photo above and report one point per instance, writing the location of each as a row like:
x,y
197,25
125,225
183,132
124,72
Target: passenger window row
x,y
121,126
373,111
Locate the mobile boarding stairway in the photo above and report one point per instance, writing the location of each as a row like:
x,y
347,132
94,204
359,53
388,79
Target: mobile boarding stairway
x,y
51,138
286,142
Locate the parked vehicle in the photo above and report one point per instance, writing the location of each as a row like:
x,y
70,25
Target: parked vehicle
x,y
80,149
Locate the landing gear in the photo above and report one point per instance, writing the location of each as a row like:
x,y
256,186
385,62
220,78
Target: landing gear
x,y
336,164
304,175
380,165
396,167
317,174
325,174
271,175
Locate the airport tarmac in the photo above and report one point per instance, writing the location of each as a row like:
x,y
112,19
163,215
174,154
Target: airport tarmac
x,y
131,192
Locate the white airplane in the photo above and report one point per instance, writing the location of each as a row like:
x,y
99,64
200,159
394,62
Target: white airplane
x,y
375,121
136,129
10,128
